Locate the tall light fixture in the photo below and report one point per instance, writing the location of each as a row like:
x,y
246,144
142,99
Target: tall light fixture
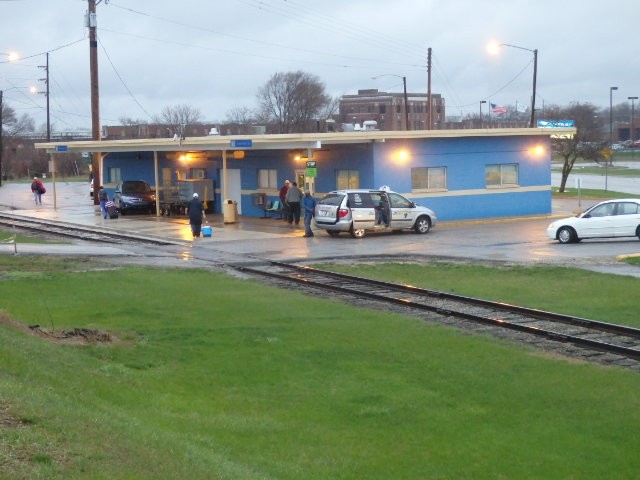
x,y
633,99
493,48
1,144
406,103
12,58
606,165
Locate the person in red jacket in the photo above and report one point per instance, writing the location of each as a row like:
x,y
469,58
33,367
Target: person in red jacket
x,y
283,199
37,188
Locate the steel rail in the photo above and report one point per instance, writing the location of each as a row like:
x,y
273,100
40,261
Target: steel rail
x,y
507,307
302,275
69,230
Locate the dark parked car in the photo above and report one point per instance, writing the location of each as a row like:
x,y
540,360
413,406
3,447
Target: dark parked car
x,y
134,195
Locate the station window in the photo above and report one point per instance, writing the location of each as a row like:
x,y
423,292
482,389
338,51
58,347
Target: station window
x,y
114,176
267,178
347,179
429,178
501,175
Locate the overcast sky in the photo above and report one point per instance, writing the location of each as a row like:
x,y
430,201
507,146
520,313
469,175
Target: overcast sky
x,y
214,55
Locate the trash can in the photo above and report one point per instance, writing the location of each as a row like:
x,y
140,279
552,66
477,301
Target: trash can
x,y
230,211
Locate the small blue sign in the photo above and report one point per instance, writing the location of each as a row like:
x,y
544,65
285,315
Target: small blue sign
x,y
62,148
556,123
248,143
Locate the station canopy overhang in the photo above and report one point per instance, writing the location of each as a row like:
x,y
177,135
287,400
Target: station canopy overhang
x,y
285,141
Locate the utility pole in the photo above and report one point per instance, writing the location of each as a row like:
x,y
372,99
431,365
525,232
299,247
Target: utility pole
x,y
406,104
429,100
46,93
95,97
1,145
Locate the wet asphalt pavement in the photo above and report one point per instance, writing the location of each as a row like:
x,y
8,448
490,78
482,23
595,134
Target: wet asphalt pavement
x,y
513,240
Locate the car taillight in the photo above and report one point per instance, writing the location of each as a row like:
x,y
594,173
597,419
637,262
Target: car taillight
x,y
343,212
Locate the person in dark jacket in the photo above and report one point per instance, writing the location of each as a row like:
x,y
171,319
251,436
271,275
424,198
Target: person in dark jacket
x,y
385,211
309,207
104,198
195,208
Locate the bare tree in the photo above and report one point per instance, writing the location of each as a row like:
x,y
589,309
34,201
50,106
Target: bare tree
x,y
331,107
586,143
291,100
178,117
14,125
241,116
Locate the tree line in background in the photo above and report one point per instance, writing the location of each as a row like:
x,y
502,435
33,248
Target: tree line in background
x,y
291,102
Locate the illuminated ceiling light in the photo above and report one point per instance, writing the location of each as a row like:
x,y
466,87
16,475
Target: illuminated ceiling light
x,y
403,156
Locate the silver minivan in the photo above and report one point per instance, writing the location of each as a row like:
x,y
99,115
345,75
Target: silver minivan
x,y
359,211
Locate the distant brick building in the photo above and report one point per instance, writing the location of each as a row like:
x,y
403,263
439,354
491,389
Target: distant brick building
x,y
387,109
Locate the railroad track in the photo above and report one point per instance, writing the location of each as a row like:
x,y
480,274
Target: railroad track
x,y
589,339
78,232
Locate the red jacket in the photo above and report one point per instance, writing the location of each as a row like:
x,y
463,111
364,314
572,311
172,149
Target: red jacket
x,y
38,186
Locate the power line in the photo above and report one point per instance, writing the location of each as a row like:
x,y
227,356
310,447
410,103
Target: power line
x,y
122,80
263,42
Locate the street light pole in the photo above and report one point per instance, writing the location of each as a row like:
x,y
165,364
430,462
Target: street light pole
x,y
12,57
481,102
633,99
535,75
606,165
1,144
406,103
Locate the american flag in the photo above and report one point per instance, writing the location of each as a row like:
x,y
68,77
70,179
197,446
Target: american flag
x,y
498,110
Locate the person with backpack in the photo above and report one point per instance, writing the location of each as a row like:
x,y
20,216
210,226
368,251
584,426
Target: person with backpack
x,y
37,188
103,196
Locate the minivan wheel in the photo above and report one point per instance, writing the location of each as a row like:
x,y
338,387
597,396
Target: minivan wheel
x,y
357,232
566,235
422,225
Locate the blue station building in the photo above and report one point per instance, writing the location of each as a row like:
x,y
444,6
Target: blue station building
x,y
461,174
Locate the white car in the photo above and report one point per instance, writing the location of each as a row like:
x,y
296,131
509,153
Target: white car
x,y
359,211
613,218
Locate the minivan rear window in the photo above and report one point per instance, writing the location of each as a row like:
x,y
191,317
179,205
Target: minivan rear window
x,y
332,199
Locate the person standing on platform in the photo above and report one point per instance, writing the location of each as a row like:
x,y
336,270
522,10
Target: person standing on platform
x,y
294,195
309,207
195,208
283,199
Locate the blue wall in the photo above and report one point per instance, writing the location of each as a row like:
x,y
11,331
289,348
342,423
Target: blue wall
x,y
465,159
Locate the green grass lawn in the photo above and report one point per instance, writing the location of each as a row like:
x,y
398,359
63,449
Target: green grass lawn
x,y
11,236
217,377
591,193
